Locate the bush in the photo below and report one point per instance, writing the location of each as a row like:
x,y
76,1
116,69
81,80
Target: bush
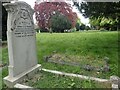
x,y
59,23
87,28
73,30
77,27
102,29
44,30
37,30
82,27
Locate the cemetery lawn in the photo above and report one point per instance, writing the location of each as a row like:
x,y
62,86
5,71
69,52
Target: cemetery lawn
x,y
90,46
49,80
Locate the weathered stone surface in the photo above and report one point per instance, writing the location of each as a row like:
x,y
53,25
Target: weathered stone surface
x,y
6,0
106,68
21,38
115,87
23,86
115,79
88,67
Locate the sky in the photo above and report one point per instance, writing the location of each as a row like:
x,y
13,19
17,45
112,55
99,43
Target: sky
x,y
83,20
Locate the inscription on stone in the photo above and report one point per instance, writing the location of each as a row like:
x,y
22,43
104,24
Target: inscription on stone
x,y
24,27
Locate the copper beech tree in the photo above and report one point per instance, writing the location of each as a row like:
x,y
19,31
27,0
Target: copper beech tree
x,y
45,10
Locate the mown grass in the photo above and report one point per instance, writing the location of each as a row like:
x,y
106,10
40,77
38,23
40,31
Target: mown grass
x,y
49,80
83,44
87,44
0,68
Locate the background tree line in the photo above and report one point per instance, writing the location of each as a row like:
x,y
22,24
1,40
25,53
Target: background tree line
x,y
55,16
101,14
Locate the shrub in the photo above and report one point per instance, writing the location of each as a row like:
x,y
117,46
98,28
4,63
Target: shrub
x,y
59,23
73,30
77,27
82,27
102,29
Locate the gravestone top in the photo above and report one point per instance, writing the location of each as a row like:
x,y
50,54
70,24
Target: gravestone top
x,y
20,19
6,0
19,10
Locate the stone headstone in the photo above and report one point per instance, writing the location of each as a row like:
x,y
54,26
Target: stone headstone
x,y
21,38
6,0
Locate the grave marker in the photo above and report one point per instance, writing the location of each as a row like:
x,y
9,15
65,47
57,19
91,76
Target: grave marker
x,y
21,38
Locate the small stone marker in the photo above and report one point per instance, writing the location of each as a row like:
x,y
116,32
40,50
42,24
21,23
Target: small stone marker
x,y
21,38
115,80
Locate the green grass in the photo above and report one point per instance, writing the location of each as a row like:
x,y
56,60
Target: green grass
x,y
83,44
0,71
49,80
0,80
95,45
5,55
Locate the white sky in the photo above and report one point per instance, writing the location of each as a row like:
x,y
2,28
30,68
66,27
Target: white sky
x,y
83,20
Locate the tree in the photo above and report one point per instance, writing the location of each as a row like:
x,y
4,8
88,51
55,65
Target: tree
x,y
95,21
103,22
87,28
101,9
45,10
77,26
59,23
78,23
82,27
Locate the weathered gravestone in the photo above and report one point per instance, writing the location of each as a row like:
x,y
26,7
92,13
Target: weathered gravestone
x,y
21,43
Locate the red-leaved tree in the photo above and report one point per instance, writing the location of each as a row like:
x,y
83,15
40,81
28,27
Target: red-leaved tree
x,y
45,10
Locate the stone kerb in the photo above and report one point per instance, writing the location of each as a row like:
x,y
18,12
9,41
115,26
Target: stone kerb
x,y
21,38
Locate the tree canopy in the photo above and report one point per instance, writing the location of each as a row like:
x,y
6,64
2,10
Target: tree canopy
x,y
101,12
45,10
59,23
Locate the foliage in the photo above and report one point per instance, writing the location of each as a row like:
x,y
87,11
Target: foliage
x,y
82,27
77,26
95,21
79,21
94,9
59,23
102,22
45,10
87,28
108,11
73,30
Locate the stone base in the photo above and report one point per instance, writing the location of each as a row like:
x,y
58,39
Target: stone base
x,y
11,81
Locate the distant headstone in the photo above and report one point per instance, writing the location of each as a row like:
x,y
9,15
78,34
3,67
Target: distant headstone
x,y
21,38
